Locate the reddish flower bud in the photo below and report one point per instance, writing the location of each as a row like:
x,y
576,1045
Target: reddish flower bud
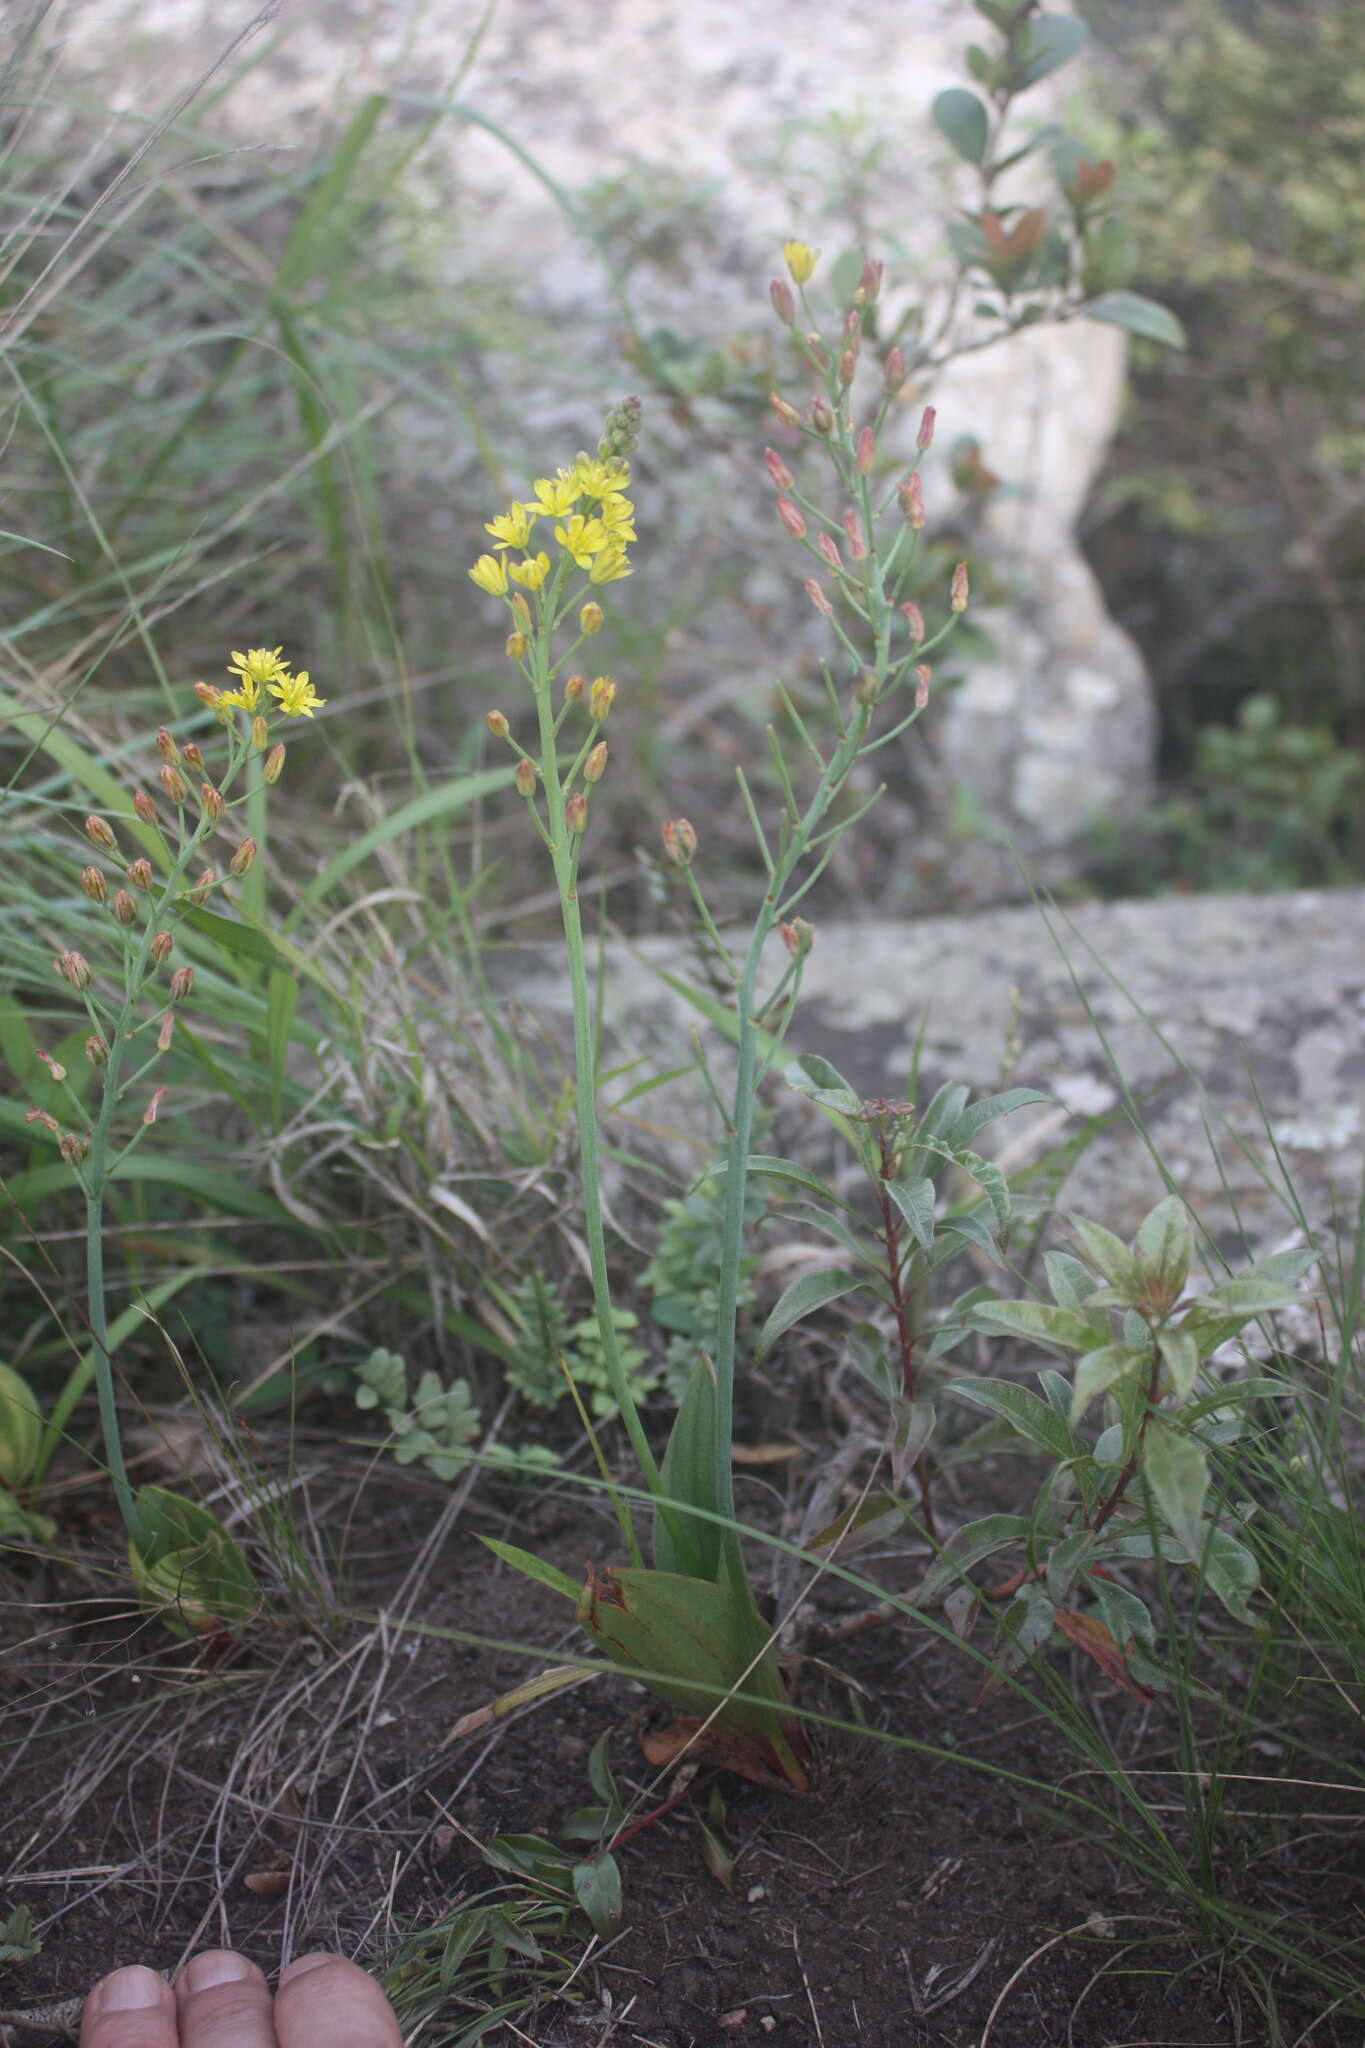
x,y
784,302
818,598
777,469
242,859
74,968
923,676
821,416
124,907
182,981
167,747
914,619
174,785
870,282
206,694
163,1036
211,802
830,552
957,600
866,452
160,947
100,833
596,762
601,697
43,1117
574,689
150,1112
848,364
798,936
576,812
857,546
193,757
273,765
521,611
497,724
680,841
96,1050
911,495
73,1146
525,778
791,516
54,1067
924,438
203,885
144,807
788,414
94,885
260,733
894,370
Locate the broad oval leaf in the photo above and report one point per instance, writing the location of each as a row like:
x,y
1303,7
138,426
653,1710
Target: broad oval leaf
x,y
1031,1416
1137,315
961,118
597,1888
802,1298
1057,1329
1054,39
1101,1369
966,1547
916,1204
1176,1469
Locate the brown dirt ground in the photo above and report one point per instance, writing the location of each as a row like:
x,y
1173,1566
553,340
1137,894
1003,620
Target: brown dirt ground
x,y
291,1789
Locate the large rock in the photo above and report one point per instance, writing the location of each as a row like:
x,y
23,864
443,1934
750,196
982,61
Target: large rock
x,y
728,103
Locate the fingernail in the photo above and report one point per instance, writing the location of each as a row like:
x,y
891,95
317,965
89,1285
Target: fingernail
x,y
302,1965
132,1990
216,1966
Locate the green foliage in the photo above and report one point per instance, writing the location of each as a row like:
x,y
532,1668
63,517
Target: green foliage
x,y
547,1346
436,1422
680,1278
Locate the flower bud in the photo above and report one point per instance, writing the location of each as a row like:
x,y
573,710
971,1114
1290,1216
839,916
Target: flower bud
x,y
848,364
182,981
164,1035
54,1067
576,812
260,733
870,282
596,762
273,765
94,885
925,436
193,757
957,600
45,1118
798,936
923,677
73,1146
144,807
788,414
173,784
124,907
777,469
242,859
827,548
167,747
894,370
815,352
818,598
149,1113
74,968
857,546
914,619
203,885
620,429
800,260
525,778
515,646
521,610
96,1050
100,833
791,516
206,694
497,724
160,947
866,451
574,689
784,305
592,618
211,802
868,687
600,697
680,841
821,416
911,495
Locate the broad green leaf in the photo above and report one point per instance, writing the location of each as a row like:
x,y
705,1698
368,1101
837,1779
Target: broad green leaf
x,y
1101,1369
966,1547
599,1770
988,1109
1164,1244
1032,1416
597,1888
1124,1614
944,1110
534,1567
1053,40
1177,1470
766,1167
1232,1571
802,1298
1180,1356
21,1428
814,1077
1137,315
968,1223
682,1543
992,1184
1108,1254
962,119
916,1204
1247,1294
1058,1329
1069,1280
184,1563
869,1356
873,1520
1068,1561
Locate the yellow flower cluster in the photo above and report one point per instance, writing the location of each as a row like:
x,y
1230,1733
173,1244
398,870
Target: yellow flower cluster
x,y
594,522
262,668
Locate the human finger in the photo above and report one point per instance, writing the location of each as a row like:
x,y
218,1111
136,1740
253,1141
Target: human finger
x,y
325,2002
130,2008
223,2001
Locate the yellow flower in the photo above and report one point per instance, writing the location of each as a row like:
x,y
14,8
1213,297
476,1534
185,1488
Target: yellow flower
x,y
598,479
558,495
257,666
490,573
512,529
618,517
531,573
609,566
582,538
298,698
801,260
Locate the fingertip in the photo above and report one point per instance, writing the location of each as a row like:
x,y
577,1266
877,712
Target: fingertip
x,y
130,2008
323,1999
